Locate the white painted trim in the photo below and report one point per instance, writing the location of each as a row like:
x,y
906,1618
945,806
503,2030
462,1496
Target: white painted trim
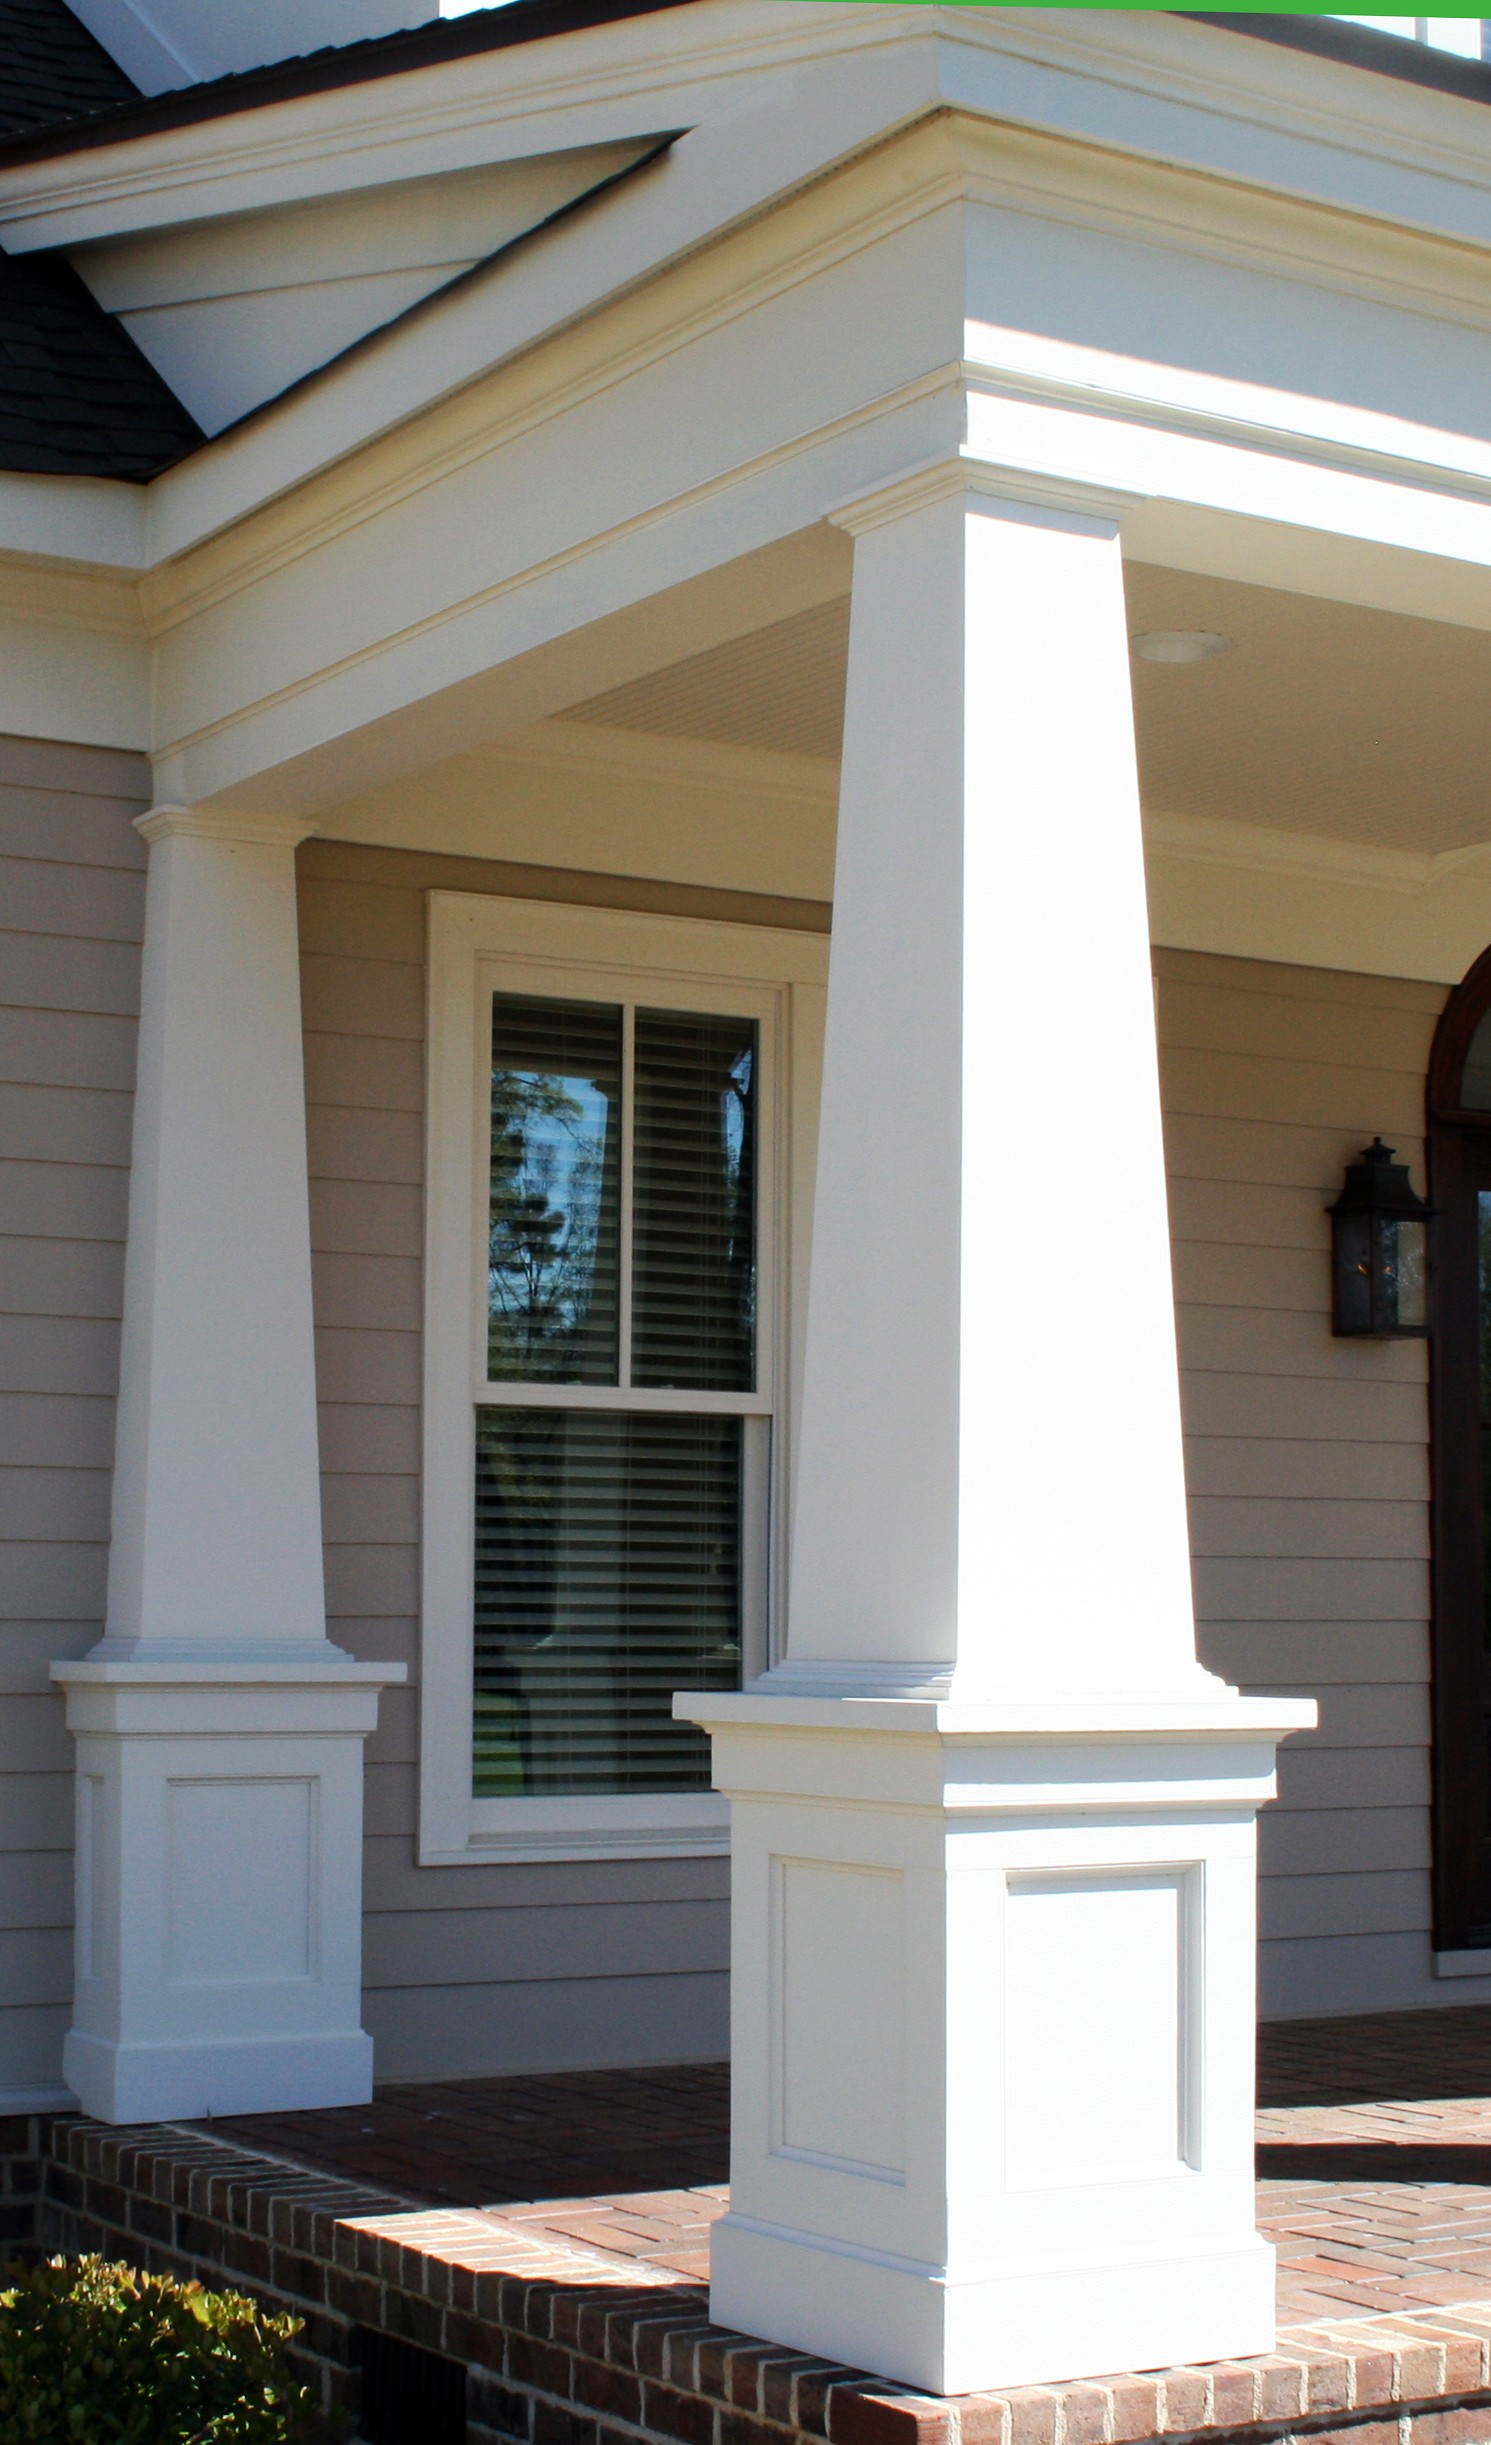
x,y
92,521
905,73
1475,1964
1253,891
206,823
1268,849
558,745
45,2097
774,975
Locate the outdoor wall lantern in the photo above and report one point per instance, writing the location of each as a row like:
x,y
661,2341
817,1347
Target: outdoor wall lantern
x,y
1380,1247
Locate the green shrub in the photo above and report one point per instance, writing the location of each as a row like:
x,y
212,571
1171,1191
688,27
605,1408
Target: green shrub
x,y
94,2354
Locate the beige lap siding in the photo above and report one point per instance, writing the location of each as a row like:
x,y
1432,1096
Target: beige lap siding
x,y
1307,1457
71,912
483,1968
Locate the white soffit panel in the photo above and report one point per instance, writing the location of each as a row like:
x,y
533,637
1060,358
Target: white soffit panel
x,y
232,311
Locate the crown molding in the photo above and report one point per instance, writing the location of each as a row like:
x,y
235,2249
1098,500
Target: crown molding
x,y
567,745
203,823
1209,840
962,475
96,601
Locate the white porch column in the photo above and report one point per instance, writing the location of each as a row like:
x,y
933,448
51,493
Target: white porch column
x,y
993,1826
219,1733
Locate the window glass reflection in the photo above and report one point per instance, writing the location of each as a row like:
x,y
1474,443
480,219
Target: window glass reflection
x,y
552,1237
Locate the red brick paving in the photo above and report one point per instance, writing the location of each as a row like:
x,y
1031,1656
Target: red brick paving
x,y
1374,2160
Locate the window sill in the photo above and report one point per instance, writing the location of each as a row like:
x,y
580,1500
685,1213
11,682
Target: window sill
x,y
503,1831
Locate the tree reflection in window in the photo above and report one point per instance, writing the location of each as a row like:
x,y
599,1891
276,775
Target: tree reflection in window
x,y
553,1237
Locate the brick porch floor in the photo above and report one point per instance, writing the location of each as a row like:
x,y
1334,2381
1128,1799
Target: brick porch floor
x,y
550,2236
1374,2159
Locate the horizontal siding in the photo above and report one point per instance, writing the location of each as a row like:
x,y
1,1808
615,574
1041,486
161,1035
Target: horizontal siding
x,y
427,2032
481,1968
72,891
1307,1458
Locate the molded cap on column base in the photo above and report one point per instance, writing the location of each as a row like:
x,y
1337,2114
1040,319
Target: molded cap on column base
x,y
203,1690
266,1660
1221,1711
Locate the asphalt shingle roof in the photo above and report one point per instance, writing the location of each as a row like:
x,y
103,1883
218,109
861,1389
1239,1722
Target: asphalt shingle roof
x,y
76,395
429,45
52,68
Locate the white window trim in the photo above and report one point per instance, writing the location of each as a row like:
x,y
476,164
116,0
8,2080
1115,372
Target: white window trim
x,y
478,945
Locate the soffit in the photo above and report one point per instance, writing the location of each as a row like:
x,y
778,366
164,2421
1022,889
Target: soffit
x,y
782,688
1325,718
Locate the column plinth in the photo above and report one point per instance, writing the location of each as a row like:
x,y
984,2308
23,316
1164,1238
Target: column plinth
x,y
993,1849
219,1731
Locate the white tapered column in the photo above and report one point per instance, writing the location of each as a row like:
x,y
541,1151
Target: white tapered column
x,y
992,1823
219,1732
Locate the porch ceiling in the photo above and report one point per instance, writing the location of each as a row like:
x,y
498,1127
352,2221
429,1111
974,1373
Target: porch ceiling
x,y
1326,717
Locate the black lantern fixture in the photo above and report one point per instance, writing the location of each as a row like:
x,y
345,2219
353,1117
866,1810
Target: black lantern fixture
x,y
1380,1244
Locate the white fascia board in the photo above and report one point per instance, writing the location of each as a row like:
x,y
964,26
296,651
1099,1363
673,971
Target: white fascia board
x,y
1143,82
1149,83
603,84
92,522
818,116
856,73
1246,891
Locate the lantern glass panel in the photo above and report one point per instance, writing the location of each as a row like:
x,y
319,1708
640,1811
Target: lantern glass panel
x,y
1411,1273
1353,1273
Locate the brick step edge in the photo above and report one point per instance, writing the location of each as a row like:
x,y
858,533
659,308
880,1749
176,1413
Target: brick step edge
x,y
566,2348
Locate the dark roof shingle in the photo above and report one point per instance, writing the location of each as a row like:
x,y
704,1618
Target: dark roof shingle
x,y
431,44
76,395
52,68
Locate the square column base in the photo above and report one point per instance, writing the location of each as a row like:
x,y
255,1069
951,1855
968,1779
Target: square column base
x,y
992,2032
187,2080
1034,2325
219,1912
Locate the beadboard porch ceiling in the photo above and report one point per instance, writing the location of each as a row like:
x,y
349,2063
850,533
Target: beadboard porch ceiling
x,y
1325,717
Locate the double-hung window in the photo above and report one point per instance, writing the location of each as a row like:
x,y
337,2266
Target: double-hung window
x,y
618,1147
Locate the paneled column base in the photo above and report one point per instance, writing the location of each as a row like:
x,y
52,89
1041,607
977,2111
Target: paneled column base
x,y
1029,2325
195,2077
993,2026
219,1848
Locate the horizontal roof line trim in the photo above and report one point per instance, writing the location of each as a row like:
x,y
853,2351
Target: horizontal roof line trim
x,y
324,71
1359,46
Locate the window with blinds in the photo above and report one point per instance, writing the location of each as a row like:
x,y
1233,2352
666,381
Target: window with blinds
x,y
611,1462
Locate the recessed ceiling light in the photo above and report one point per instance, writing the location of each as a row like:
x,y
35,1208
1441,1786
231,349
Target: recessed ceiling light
x,y
1180,644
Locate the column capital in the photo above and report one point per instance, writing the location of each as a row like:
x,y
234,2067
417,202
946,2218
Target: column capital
x,y
945,479
209,823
